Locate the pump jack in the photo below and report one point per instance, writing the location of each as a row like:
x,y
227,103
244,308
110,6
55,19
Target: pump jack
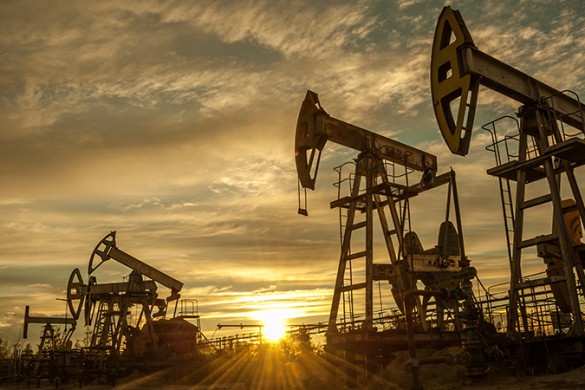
x,y
374,189
545,151
151,338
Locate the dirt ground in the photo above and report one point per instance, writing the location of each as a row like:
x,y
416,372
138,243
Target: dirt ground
x,y
395,376
500,376
571,380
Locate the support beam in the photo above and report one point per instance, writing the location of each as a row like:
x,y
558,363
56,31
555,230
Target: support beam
x,y
145,269
108,288
44,320
354,137
517,85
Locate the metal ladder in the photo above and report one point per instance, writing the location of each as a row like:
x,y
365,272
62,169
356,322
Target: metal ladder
x,y
538,127
370,168
504,183
347,298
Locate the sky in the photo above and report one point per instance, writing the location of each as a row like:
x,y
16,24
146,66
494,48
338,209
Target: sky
x,y
173,124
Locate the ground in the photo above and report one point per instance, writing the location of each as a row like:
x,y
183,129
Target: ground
x,y
571,380
272,374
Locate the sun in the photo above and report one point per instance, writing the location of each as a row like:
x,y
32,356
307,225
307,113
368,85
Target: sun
x,y
274,321
274,330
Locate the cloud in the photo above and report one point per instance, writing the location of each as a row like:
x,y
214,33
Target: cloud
x,y
288,27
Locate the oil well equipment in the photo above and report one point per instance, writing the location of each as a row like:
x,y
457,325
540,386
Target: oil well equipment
x,y
544,311
381,183
130,325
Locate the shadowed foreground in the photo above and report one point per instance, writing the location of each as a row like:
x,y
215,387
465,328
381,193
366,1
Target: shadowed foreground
x,y
271,367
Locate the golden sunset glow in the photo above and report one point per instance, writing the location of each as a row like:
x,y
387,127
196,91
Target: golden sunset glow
x,y
274,330
274,321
